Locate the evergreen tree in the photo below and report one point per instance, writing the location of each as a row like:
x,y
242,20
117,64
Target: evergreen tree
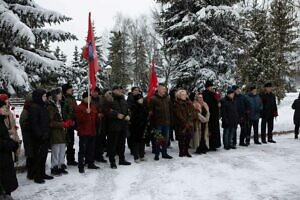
x,y
118,59
24,47
204,40
283,27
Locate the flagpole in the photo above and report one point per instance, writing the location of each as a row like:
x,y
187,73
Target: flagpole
x,y
89,88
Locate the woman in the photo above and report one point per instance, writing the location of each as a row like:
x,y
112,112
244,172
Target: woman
x,y
183,122
138,124
200,141
8,145
296,107
57,133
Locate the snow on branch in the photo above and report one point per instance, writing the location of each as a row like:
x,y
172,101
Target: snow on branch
x,y
11,22
45,64
53,35
12,71
37,12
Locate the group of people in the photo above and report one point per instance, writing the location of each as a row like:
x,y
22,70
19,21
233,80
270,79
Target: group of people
x,y
105,120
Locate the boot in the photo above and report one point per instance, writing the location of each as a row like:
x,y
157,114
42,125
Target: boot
x,y
93,166
124,162
296,136
47,177
113,165
55,171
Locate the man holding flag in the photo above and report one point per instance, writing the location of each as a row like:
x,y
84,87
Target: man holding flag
x,y
160,112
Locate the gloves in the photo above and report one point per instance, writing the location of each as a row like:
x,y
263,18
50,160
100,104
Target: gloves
x,y
68,123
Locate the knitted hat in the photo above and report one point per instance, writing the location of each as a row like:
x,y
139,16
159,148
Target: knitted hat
x,y
235,87
3,97
65,87
230,90
209,84
116,87
268,85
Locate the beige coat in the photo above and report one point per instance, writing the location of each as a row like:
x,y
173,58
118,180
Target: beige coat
x,y
195,142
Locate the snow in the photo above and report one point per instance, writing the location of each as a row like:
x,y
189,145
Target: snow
x,y
12,69
9,19
253,173
46,64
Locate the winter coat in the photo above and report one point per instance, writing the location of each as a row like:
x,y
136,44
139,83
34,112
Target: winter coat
x,y
86,122
57,132
213,104
26,128
98,103
184,114
214,124
160,109
200,127
229,113
296,107
118,105
269,106
38,117
68,107
255,106
242,105
138,121
8,178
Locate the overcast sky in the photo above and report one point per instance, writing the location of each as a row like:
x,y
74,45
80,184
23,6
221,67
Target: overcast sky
x,y
103,14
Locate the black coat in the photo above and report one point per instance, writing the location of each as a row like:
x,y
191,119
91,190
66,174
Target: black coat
x,y
269,106
296,107
242,106
8,178
213,124
111,110
39,117
229,113
138,122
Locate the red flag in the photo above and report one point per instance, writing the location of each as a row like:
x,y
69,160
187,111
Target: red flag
x,y
153,83
90,54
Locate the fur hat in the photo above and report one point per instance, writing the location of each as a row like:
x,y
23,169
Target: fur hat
x,y
209,84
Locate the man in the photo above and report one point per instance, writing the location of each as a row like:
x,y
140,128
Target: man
x,y
117,116
86,127
97,101
230,119
242,108
39,123
68,112
160,112
212,100
269,112
255,107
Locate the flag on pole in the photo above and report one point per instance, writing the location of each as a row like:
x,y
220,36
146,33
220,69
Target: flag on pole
x,y
153,83
90,54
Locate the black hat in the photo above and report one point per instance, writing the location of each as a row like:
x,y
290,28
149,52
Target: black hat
x,y
209,84
97,89
65,87
55,92
116,87
230,90
48,94
268,85
235,87
85,94
252,88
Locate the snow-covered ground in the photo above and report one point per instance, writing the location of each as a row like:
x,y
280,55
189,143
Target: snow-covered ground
x,y
263,172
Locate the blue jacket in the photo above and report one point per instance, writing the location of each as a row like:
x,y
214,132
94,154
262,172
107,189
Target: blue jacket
x,y
255,106
242,106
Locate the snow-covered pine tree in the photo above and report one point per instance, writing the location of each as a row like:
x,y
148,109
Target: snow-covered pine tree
x,y
118,59
283,25
255,66
24,55
205,39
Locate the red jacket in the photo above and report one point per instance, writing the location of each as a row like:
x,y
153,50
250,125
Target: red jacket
x,y
86,122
